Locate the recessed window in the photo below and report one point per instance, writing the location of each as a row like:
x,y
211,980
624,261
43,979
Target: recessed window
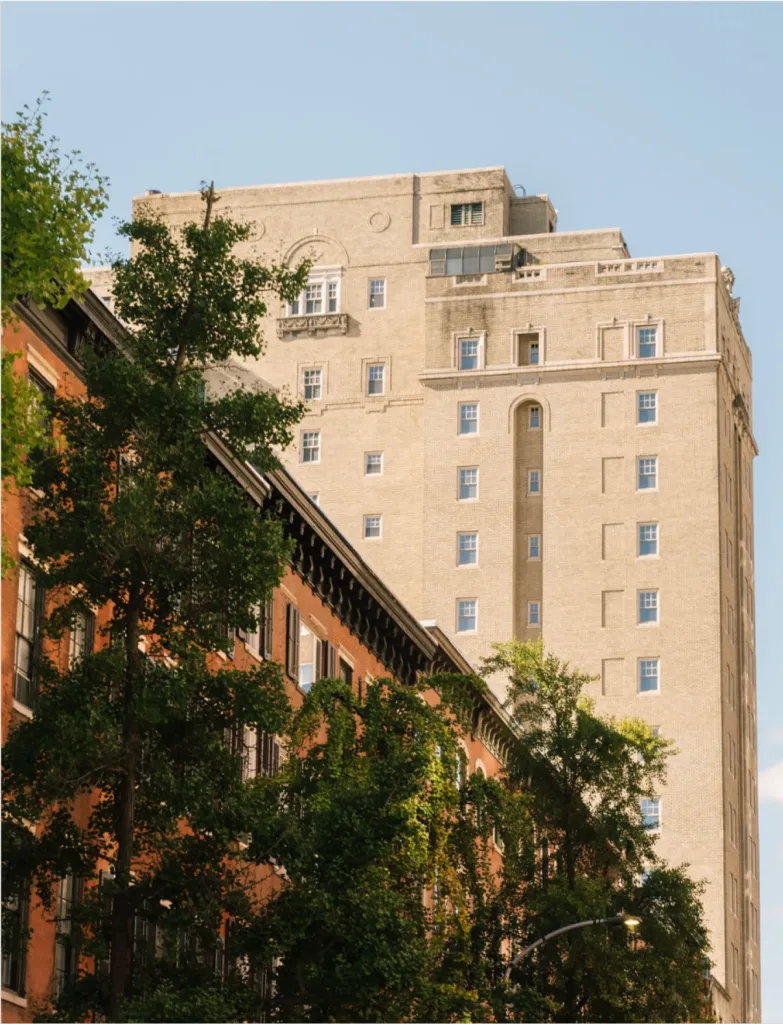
x,y
648,607
534,481
648,474
28,616
647,407
534,421
651,814
311,446
649,675
468,483
468,418
534,613
376,379
312,385
81,638
528,349
647,342
373,463
469,353
648,539
372,527
467,615
534,546
321,295
378,293
467,549
463,214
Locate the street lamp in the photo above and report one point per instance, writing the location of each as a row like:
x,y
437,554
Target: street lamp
x,y
629,920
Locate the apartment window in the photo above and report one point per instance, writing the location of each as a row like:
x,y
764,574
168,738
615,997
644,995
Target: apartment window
x,y
528,349
647,342
15,913
648,539
468,483
81,639
346,672
649,675
468,418
647,407
534,613
463,214
259,639
467,549
534,481
651,814
373,463
648,607
534,546
28,615
378,293
534,417
312,385
376,379
292,629
267,755
66,954
311,446
321,295
309,657
648,474
469,353
467,615
372,527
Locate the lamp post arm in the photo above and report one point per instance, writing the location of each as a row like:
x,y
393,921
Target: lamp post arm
x,y
618,919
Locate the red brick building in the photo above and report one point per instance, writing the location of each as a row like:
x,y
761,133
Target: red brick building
x,y
330,616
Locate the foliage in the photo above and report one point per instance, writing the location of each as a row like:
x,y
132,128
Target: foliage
x,y
585,777
23,429
49,204
134,518
388,906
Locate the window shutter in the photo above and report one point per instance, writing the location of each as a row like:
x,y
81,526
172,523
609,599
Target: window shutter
x,y
266,628
89,633
292,642
329,660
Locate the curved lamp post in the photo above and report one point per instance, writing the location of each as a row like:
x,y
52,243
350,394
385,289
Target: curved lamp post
x,y
627,919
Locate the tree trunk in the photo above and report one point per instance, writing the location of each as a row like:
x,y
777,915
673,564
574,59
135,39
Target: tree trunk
x,y
122,906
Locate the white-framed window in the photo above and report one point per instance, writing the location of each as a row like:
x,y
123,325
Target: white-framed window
x,y
377,294
464,214
468,418
315,497
534,613
80,640
311,446
647,342
376,379
534,546
648,540
312,381
648,607
534,417
534,481
468,483
373,463
649,675
647,477
467,548
468,353
651,814
321,294
372,527
646,407
467,615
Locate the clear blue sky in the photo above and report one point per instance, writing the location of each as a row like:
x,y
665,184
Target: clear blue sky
x,y
662,119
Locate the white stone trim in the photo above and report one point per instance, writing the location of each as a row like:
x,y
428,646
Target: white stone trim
x,y
12,997
465,335
528,329
42,366
668,283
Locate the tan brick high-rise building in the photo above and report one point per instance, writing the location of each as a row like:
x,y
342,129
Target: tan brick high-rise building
x,y
524,430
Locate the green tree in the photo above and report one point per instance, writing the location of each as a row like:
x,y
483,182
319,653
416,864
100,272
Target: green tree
x,y
50,203
585,778
388,908
131,742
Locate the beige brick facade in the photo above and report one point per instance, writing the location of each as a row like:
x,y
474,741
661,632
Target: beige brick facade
x,y
608,328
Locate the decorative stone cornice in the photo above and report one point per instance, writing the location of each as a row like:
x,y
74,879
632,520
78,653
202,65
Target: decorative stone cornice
x,y
325,323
